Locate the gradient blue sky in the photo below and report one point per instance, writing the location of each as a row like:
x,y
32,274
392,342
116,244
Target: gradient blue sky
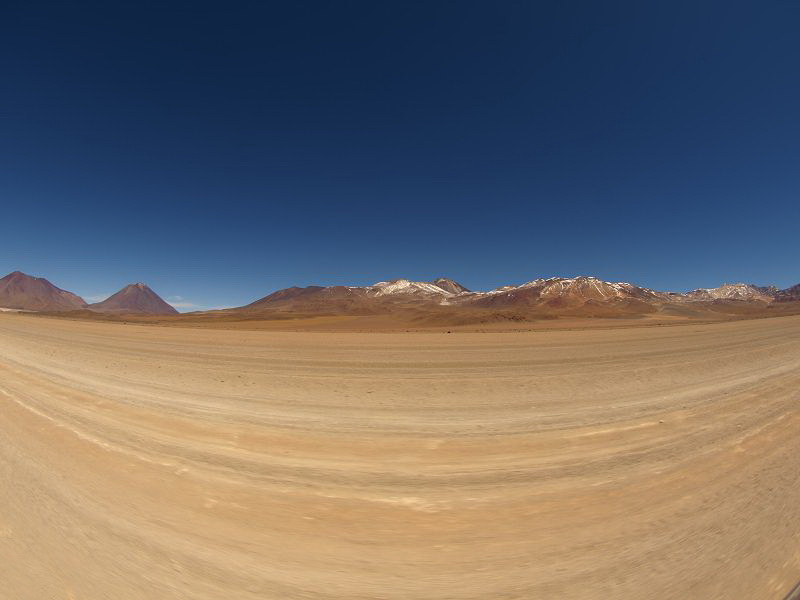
x,y
220,151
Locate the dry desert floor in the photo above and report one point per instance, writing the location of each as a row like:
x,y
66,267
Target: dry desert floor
x,y
148,463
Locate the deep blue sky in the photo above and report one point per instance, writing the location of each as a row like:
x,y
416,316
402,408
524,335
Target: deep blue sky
x,y
221,151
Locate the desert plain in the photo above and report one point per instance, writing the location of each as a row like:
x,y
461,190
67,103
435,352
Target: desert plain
x,y
144,463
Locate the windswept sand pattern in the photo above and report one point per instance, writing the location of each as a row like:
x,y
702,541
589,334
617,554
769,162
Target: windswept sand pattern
x,y
144,462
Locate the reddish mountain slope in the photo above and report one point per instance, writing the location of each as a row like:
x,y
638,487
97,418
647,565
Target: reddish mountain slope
x,y
316,299
21,291
135,298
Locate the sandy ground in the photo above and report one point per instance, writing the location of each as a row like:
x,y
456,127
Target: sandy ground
x,y
148,463
388,323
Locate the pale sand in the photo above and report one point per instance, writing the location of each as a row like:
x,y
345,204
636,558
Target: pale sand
x,y
157,463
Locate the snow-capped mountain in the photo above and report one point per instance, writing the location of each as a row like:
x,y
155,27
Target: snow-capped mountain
x,y
574,296
731,291
570,290
554,292
405,286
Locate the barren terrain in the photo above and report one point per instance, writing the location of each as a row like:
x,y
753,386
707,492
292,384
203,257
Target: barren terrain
x,y
143,462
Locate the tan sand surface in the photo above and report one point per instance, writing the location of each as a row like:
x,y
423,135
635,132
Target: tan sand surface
x,y
147,463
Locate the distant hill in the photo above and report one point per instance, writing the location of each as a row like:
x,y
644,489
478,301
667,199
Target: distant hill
x,y
136,298
25,292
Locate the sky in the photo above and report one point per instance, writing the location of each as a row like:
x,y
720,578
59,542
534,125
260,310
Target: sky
x,y
220,151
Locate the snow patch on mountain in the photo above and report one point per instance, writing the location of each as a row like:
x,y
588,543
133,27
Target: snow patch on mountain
x,y
588,286
730,291
405,286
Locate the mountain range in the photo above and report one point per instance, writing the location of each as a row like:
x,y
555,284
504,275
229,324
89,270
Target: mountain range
x,y
444,301
554,291
421,300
